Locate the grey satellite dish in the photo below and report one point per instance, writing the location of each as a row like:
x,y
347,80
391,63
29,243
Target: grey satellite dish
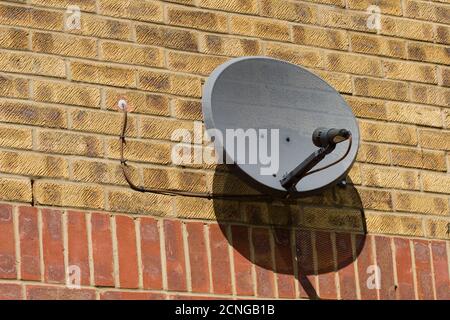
x,y
263,106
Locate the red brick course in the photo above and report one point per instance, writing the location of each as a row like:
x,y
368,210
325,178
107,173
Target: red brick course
x,y
244,262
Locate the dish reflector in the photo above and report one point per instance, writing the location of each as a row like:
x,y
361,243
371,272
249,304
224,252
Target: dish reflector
x,y
263,95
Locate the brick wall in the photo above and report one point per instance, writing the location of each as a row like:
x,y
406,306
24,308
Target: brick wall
x,y
65,202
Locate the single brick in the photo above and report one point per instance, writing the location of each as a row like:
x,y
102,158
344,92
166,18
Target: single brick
x,y
446,118
147,151
130,295
147,103
442,34
423,269
189,109
228,46
376,45
102,74
374,153
375,199
220,259
167,37
190,63
20,62
84,5
163,128
366,260
32,114
387,290
78,252
435,182
19,138
127,252
102,122
416,158
377,88
437,228
390,224
337,3
141,203
428,53
409,71
259,28
31,17
434,95
242,260
64,45
175,260
58,293
241,6
295,54
132,54
101,172
406,28
69,143
441,272
402,253
13,38
198,257
326,265
13,87
346,267
102,250
284,263
386,7
9,291
331,218
170,83
435,139
30,266
344,19
320,37
367,108
101,27
341,82
285,10
53,246
445,75
203,209
33,164
265,278
68,195
427,11
15,190
388,132
389,177
132,9
8,268
415,114
196,19
151,254
65,93
353,64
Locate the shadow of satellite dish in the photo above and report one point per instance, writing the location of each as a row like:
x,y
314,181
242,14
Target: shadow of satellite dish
x,y
294,224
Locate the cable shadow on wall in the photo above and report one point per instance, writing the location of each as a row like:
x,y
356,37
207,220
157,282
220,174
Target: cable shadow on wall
x,y
300,238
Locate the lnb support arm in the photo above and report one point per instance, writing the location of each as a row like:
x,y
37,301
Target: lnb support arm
x,y
291,179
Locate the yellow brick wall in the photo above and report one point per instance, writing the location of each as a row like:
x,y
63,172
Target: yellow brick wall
x,y
59,89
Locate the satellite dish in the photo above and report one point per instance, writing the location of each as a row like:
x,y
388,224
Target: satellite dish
x,y
275,107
